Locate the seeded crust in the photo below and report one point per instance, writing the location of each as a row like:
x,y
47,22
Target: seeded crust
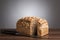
x,y
31,26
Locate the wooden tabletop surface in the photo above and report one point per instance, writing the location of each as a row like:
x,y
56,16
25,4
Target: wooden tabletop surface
x,y
54,34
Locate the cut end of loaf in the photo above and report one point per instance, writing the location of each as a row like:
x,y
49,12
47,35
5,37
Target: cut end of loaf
x,y
42,27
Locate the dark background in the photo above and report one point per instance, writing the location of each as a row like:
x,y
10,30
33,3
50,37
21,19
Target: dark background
x,y
12,10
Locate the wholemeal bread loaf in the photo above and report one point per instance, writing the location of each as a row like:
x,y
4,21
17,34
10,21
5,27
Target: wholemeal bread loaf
x,y
31,26
26,26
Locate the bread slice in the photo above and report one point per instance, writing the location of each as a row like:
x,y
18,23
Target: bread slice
x,y
26,26
42,27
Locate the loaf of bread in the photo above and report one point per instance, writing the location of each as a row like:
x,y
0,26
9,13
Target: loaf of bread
x,y
31,26
26,26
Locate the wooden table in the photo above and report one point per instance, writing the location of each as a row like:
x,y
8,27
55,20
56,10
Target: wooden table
x,y
54,34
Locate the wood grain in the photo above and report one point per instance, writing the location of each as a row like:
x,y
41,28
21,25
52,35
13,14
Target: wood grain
x,y
54,34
